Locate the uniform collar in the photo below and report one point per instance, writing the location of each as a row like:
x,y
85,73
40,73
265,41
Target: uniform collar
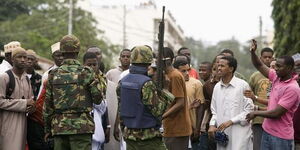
x,y
138,70
71,62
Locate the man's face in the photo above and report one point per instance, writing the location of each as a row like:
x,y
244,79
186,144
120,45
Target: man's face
x,y
19,60
272,64
31,61
58,58
93,63
186,52
184,71
223,68
218,58
125,58
281,69
214,71
267,58
204,71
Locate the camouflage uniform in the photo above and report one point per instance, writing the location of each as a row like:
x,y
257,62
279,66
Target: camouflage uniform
x,y
71,90
146,138
102,83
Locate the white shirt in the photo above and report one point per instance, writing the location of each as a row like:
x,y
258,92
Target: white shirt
x,y
123,74
45,78
229,103
99,111
4,66
114,74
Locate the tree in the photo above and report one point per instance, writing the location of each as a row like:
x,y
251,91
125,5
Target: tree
x,y
202,53
286,16
44,23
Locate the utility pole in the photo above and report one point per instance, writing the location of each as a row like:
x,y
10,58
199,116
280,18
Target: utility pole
x,y
260,33
70,24
124,27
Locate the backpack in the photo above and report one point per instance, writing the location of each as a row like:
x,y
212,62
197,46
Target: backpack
x,y
10,87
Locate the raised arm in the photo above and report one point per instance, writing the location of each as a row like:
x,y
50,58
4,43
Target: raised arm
x,y
261,67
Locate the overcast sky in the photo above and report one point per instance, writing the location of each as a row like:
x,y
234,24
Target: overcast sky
x,y
215,20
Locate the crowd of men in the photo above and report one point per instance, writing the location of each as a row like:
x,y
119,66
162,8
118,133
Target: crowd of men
x,y
75,106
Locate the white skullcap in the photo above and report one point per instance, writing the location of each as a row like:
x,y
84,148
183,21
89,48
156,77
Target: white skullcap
x,y
8,48
55,47
296,57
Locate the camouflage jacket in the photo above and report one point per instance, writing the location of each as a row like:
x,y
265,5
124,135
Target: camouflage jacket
x,y
102,83
70,92
157,105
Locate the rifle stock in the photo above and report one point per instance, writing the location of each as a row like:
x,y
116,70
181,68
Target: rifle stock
x,y
160,58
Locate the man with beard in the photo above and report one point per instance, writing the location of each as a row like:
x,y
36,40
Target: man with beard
x,y
229,108
16,99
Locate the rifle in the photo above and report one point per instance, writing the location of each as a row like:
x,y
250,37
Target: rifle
x,y
160,57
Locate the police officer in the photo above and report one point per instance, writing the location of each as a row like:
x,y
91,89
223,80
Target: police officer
x,y
140,107
71,90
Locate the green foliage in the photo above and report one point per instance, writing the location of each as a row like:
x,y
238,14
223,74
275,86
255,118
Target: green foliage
x,y
41,23
286,16
201,53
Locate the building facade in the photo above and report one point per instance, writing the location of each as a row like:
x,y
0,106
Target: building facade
x,y
129,26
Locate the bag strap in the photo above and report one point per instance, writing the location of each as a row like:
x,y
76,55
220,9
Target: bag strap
x,y
10,87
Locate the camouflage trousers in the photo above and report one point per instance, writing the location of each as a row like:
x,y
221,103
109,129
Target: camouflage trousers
x,y
151,144
73,142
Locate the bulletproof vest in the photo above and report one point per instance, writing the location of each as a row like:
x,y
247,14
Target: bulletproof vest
x,y
70,93
132,111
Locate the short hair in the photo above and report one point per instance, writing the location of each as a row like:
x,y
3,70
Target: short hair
x,y
187,58
226,50
209,64
215,59
231,62
180,49
94,47
128,50
168,52
180,62
89,55
266,49
288,60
